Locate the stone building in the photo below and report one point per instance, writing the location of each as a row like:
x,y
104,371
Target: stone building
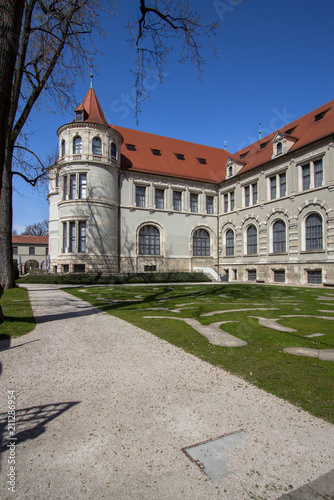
x,y
122,200
30,252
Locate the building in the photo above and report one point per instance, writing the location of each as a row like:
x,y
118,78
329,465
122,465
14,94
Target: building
x,y
30,252
122,200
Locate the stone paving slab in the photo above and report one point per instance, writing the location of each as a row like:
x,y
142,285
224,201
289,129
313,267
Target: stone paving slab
x,y
320,489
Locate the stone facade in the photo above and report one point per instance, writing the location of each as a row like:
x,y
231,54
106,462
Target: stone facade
x,y
126,201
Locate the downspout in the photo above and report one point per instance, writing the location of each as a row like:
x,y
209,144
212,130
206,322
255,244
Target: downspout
x,y
119,224
218,211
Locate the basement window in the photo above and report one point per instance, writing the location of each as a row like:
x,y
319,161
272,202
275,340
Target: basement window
x,y
130,147
202,161
156,152
179,156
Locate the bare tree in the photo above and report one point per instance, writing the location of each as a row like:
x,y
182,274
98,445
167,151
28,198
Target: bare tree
x,y
37,229
53,52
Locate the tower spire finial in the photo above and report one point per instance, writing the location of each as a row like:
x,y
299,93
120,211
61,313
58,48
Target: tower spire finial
x,y
91,78
260,131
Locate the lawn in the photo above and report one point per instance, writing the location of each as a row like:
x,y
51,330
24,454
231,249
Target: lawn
x,y
19,318
304,381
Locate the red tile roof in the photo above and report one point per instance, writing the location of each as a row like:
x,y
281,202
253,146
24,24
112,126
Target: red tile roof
x,y
193,166
93,108
30,240
304,131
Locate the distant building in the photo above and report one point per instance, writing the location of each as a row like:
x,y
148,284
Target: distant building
x,y
122,200
30,252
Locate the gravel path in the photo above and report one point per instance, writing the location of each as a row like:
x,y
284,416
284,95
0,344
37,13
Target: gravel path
x,y
104,409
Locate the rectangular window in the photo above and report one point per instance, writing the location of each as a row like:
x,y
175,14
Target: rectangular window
x,y
72,237
82,186
65,187
82,237
247,196
177,200
306,177
79,268
273,187
254,188
282,184
314,277
209,204
251,274
140,196
159,198
31,250
318,174
64,237
193,202
47,251
232,200
66,268
15,250
226,202
279,276
73,186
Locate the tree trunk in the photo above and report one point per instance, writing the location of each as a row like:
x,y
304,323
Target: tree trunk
x,y
7,279
11,12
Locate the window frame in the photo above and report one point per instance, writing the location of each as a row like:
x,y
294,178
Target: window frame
x,y
77,145
201,243
193,203
149,244
159,198
279,242
140,196
314,242
97,146
177,201
251,240
229,243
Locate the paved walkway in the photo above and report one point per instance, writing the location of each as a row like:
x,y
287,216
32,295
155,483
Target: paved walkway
x,y
103,410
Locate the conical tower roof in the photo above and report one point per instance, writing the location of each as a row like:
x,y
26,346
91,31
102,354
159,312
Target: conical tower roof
x,y
92,108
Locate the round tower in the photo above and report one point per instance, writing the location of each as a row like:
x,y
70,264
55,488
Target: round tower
x,y
84,193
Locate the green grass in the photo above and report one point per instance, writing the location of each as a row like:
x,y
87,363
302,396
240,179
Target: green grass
x,y
19,318
304,381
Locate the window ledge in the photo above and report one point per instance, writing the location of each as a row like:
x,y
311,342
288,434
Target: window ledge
x,y
277,253
313,251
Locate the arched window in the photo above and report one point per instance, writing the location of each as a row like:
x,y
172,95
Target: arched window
x,y
113,150
77,145
62,150
313,228
229,242
97,147
279,148
229,172
201,243
149,241
279,237
251,240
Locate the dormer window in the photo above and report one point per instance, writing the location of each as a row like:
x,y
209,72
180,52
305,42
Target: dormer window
x,y
79,116
179,156
130,147
279,148
156,152
263,145
113,150
229,171
243,155
320,116
202,161
97,146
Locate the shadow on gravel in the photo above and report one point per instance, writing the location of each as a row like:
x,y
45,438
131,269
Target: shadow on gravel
x,y
20,425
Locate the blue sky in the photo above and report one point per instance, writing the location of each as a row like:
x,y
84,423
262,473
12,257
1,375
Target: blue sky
x,y
274,65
